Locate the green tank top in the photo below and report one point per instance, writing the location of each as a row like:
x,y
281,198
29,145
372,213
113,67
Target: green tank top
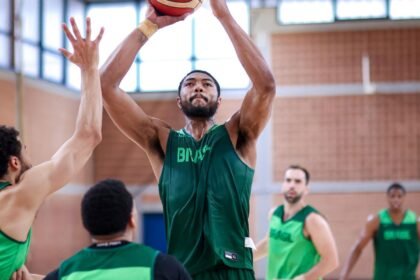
x,y
205,190
125,262
290,253
396,247
13,253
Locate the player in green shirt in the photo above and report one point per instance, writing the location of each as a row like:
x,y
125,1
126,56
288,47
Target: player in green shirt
x,y
24,188
204,170
299,245
110,217
395,232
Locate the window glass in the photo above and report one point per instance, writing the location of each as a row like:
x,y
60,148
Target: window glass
x,y
53,64
305,11
4,51
30,58
118,19
53,17
358,9
162,75
404,9
5,15
30,20
228,72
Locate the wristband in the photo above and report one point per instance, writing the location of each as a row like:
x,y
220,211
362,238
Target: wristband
x,y
148,28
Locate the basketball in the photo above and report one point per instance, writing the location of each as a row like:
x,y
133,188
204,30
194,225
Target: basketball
x,y
175,7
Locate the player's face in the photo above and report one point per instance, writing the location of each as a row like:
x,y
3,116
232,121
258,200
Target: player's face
x,y
396,199
294,185
198,96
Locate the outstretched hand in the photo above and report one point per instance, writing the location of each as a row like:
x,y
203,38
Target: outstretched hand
x,y
162,20
86,51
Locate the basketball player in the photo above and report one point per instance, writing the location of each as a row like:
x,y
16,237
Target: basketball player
x,y
204,170
396,233
300,245
109,215
23,189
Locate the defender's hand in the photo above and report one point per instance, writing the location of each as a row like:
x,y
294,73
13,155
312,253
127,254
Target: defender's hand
x,y
21,274
86,51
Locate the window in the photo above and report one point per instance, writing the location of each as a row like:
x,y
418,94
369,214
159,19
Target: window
x,y
5,51
404,9
5,16
71,73
324,11
197,42
361,9
306,11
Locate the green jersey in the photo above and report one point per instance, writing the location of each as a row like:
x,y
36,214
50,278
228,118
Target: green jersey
x,y
124,262
396,247
13,253
290,252
205,189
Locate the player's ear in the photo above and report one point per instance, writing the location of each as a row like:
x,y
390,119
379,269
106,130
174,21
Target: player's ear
x,y
178,101
14,162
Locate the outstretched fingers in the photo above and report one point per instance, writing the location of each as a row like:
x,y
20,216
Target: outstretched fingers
x,y
65,52
99,37
68,33
88,29
75,29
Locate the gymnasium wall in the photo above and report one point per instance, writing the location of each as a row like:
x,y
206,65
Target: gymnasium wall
x,y
340,138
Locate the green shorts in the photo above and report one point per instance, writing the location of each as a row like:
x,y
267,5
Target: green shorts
x,y
225,273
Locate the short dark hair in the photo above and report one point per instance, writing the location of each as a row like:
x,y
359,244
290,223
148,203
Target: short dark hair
x,y
304,170
203,72
396,186
106,208
9,146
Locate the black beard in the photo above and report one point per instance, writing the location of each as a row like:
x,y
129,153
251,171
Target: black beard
x,y
293,200
199,112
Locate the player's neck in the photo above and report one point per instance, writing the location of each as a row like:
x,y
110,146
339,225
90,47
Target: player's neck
x,y
396,211
8,178
126,236
290,209
197,128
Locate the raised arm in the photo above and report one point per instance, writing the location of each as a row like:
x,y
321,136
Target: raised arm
x,y
256,107
41,180
320,234
365,236
123,110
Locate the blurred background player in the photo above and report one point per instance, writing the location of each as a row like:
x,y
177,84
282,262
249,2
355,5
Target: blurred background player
x,y
110,217
299,245
395,232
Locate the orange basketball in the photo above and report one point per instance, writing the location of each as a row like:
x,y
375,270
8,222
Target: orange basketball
x,y
175,7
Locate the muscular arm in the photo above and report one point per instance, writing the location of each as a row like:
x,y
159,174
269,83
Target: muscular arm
x,y
40,181
130,118
320,234
366,235
255,111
